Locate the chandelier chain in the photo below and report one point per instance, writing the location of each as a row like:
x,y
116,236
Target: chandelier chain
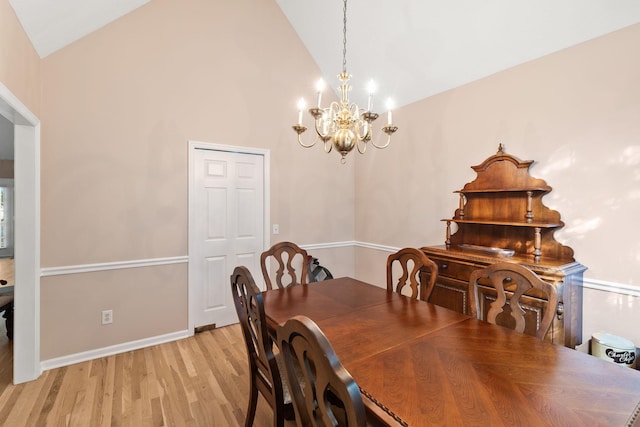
x,y
344,37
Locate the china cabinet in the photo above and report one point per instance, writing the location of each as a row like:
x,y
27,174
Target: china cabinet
x,y
501,217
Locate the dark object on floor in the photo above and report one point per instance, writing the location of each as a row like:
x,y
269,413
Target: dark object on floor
x,y
316,272
6,306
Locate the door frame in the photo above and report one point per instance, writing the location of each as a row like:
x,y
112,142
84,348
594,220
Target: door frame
x,y
26,143
194,145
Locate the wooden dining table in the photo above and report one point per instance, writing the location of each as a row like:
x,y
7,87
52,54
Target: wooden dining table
x,y
419,364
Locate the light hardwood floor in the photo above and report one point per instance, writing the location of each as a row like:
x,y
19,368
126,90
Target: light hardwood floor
x,y
198,381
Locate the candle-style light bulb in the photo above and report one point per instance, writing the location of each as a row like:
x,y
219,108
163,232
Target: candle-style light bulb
x,y
325,123
301,105
320,87
389,107
371,88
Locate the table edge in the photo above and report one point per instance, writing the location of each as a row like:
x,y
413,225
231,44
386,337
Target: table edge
x,y
634,418
380,411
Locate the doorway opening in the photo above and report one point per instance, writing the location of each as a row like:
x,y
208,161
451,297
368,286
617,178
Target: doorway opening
x,y
26,229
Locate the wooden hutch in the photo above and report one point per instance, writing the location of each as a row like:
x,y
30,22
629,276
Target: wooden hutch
x,y
501,217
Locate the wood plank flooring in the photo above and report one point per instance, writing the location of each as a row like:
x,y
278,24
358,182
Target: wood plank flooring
x,y
198,381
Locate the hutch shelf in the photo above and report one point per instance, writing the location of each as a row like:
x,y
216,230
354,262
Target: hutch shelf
x,y
501,217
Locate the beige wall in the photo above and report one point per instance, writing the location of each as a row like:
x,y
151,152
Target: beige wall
x,y
19,62
574,112
146,302
119,107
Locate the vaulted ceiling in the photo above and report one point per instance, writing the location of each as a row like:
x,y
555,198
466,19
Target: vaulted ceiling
x,y
411,48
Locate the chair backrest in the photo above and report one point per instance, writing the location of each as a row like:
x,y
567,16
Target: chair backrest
x,y
516,280
412,261
249,305
286,254
322,391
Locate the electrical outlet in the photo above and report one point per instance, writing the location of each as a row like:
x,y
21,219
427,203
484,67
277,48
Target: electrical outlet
x,y
107,317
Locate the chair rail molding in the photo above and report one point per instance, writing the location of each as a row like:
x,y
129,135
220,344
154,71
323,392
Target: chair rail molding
x,y
348,243
618,288
588,283
119,265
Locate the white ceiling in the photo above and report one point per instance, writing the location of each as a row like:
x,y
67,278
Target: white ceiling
x,y
53,24
411,48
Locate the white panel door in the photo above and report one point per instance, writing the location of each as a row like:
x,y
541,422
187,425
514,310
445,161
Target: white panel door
x,y
228,229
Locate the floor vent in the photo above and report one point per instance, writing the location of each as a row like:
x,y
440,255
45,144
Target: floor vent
x,y
204,328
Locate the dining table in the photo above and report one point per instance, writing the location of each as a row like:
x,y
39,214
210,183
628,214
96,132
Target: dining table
x,y
419,364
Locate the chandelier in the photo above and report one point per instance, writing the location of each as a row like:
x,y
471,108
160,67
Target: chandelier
x,y
342,125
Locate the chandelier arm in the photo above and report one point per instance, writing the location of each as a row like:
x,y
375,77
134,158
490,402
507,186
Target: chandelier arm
x,y
385,145
308,145
319,133
366,136
328,144
364,145
389,130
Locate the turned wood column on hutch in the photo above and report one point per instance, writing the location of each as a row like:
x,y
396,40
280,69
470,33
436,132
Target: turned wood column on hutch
x,y
501,217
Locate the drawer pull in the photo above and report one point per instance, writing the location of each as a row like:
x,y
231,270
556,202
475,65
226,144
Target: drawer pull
x,y
560,311
444,265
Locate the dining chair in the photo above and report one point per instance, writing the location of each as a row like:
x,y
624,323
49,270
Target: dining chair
x,y
412,261
328,395
286,254
263,364
514,280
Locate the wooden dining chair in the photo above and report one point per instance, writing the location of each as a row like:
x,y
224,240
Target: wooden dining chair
x,y
512,282
263,365
412,262
328,395
286,255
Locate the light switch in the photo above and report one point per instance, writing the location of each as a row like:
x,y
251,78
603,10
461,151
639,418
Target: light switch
x,y
276,228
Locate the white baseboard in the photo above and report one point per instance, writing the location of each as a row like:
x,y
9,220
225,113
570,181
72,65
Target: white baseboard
x,y
111,350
